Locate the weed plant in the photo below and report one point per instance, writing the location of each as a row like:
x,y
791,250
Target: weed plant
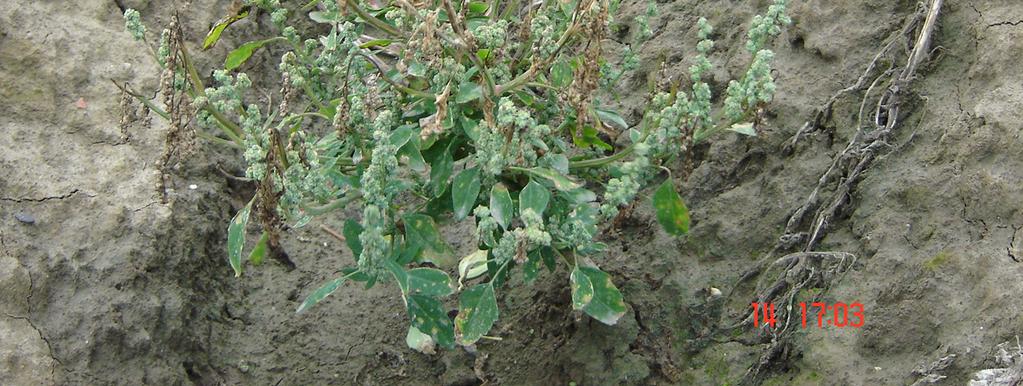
x,y
436,112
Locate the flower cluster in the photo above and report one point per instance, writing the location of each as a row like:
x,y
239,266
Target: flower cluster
x,y
163,53
643,22
490,151
767,26
621,190
527,138
545,32
383,164
491,35
377,193
755,87
486,225
533,233
375,247
133,23
699,109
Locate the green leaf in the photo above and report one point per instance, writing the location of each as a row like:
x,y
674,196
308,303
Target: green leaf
x,y
469,126
501,205
330,109
589,138
259,252
744,128
561,74
547,254
440,171
464,191
213,36
595,294
558,162
634,135
525,96
559,181
478,7
612,119
477,312
429,317
352,231
320,294
411,150
483,54
440,207
376,43
354,274
241,54
419,341
468,92
532,266
580,196
429,281
534,196
671,211
323,17
417,69
498,275
421,232
399,274
236,237
402,135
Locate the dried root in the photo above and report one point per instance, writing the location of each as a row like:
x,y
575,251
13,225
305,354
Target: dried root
x,y
1010,357
781,280
869,140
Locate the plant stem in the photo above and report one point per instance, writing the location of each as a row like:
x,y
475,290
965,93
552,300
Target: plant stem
x,y
527,76
354,5
596,162
235,131
145,101
501,268
217,140
400,87
336,204
459,28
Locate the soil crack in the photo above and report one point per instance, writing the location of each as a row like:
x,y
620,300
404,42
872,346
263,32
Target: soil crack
x,y
1013,250
145,206
28,272
46,340
47,198
1006,23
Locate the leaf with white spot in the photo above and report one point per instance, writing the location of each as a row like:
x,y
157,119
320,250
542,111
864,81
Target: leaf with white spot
x,y
595,294
236,237
429,317
477,312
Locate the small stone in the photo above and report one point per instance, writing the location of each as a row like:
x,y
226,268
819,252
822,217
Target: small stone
x,y
193,187
25,218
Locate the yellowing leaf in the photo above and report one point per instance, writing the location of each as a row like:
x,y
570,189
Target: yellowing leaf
x,y
477,312
595,294
672,213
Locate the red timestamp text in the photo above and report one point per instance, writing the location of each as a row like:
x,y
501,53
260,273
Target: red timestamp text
x,y
822,314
